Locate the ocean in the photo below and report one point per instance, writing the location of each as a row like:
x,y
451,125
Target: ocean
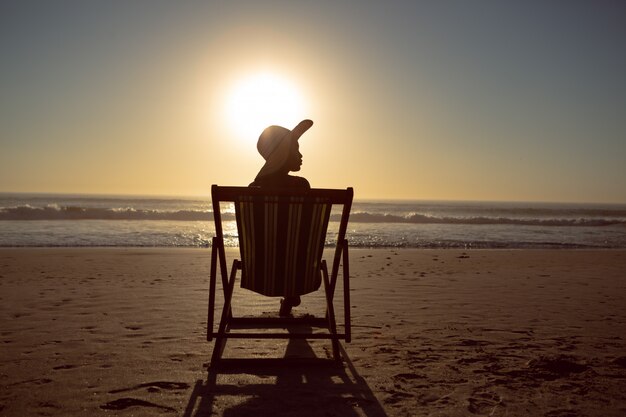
x,y
47,220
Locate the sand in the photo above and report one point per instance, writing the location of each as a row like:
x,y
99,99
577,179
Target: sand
x,y
435,332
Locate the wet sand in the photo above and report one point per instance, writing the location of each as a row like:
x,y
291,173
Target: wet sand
x,y
435,332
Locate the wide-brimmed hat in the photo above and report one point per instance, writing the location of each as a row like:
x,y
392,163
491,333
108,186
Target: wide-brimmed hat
x,y
275,143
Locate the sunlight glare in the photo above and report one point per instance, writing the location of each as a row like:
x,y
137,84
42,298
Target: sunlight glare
x,y
262,100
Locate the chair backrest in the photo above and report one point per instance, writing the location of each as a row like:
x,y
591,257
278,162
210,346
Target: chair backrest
x,y
282,233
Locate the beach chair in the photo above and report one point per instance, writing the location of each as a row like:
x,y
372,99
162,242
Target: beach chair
x,y
282,234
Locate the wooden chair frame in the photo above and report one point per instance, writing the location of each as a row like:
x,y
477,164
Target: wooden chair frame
x,y
228,322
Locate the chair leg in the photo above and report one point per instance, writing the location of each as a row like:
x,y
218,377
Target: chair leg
x,y
330,314
212,281
220,339
346,292
218,349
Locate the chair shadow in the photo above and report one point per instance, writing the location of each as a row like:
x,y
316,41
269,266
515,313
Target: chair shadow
x,y
305,385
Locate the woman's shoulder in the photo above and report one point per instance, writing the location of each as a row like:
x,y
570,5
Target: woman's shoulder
x,y
298,182
283,181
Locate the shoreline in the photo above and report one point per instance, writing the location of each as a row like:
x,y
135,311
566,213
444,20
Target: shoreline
x,y
356,248
101,330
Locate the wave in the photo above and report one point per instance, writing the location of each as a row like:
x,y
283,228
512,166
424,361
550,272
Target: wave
x,y
364,217
55,212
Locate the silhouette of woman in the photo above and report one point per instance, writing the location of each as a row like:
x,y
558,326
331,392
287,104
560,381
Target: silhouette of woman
x,y
280,148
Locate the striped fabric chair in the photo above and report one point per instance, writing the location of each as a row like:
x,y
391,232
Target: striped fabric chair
x,y
282,234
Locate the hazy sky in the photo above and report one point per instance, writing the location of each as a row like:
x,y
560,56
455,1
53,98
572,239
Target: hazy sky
x,y
462,100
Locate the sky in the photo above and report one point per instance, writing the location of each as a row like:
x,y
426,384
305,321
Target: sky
x,y
434,100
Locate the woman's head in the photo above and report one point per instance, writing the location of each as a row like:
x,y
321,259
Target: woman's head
x,y
280,148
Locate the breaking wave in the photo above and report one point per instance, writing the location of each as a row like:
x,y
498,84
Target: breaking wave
x,y
483,220
56,212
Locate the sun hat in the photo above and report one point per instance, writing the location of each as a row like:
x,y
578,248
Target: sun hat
x,y
274,145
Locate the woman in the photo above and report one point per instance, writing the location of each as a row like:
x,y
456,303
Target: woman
x,y
280,149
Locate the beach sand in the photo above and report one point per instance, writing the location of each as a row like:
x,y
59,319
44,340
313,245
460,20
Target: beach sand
x,y
435,332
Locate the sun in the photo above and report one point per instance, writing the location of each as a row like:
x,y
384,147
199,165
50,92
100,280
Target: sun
x,y
261,100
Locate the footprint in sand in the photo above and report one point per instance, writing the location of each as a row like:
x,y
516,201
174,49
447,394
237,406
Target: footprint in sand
x,y
39,381
48,404
397,396
621,361
484,403
471,342
408,376
60,367
551,368
166,385
124,403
